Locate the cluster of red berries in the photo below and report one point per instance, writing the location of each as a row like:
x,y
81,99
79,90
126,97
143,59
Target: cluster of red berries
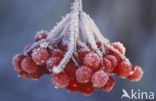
x,y
90,73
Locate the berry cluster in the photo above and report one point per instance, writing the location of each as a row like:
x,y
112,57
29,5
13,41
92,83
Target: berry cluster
x,y
76,66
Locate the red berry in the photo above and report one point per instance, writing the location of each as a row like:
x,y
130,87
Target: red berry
x,y
56,52
70,70
28,65
136,73
35,75
86,88
53,61
107,65
60,80
123,69
83,74
23,74
109,85
92,60
119,46
113,61
63,47
41,35
16,61
98,43
82,53
99,79
73,86
27,47
39,56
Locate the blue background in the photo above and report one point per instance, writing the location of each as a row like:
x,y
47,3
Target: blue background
x,y
129,21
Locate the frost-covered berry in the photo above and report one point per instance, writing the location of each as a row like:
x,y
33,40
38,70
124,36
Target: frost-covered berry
x,y
109,85
86,88
107,65
35,75
70,70
136,73
99,78
23,74
56,52
39,56
123,69
53,61
16,61
26,48
98,43
113,61
82,52
63,47
28,65
83,74
92,60
41,35
60,80
73,86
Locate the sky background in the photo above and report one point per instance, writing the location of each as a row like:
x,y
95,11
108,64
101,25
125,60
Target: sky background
x,y
132,22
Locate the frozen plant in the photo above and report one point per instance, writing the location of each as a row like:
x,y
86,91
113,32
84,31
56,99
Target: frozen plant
x,y
76,65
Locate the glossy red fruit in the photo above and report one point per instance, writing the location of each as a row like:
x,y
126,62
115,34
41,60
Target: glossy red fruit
x,y
99,79
53,61
92,60
82,52
70,70
16,61
107,65
86,88
136,73
60,80
28,65
109,85
113,61
39,56
73,86
56,53
123,69
35,75
83,74
41,35
23,74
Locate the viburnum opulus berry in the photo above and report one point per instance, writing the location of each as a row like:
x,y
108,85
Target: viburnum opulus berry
x,y
39,56
16,61
23,74
136,73
92,60
86,88
70,70
123,69
99,78
56,52
41,35
83,74
113,61
73,86
28,65
109,85
82,52
106,65
60,80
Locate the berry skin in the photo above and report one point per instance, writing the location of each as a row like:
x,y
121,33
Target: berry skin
x,y
98,43
123,69
99,79
113,61
35,75
60,80
41,35
107,65
56,52
137,73
86,88
53,61
73,86
119,46
28,65
109,85
92,60
63,47
83,74
39,56
23,74
82,52
70,70
16,61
